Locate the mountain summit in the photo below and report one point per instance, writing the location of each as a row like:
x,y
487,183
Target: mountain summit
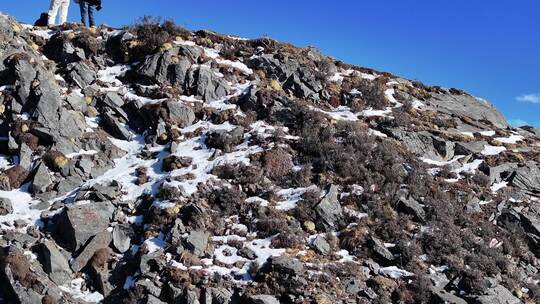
x,y
153,164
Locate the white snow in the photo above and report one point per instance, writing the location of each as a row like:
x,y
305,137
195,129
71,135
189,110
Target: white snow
x,y
75,290
339,113
235,64
395,272
498,186
22,203
492,150
291,197
380,113
512,139
111,74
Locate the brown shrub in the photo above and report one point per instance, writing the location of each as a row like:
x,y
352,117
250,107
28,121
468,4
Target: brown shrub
x,y
277,163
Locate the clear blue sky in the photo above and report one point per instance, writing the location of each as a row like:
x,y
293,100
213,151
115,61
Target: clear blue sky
x,y
490,48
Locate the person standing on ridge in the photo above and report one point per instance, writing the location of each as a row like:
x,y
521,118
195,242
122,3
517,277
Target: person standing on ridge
x,y
87,9
58,6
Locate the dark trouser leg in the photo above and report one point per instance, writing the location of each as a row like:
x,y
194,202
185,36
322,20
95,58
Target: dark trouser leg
x,y
84,11
91,15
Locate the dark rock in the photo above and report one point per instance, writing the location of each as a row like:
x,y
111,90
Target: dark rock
x,y
470,147
79,222
497,295
55,263
179,114
113,126
377,246
444,296
329,209
98,242
81,73
527,178
201,81
224,140
320,245
174,162
412,207
286,265
213,295
196,242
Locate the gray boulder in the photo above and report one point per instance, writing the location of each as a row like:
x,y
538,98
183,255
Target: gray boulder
x,y
196,242
320,245
99,241
81,73
411,206
78,223
466,106
202,81
377,246
121,237
329,209
113,126
497,295
5,206
216,295
179,114
286,265
527,179
55,263
263,299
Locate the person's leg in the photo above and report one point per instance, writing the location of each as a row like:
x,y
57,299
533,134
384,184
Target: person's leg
x,y
84,7
53,11
91,15
64,6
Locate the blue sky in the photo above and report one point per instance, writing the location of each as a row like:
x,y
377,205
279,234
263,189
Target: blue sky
x,y
488,48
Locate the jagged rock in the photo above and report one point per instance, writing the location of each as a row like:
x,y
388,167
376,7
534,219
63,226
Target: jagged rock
x,y
202,81
179,114
216,296
224,140
263,299
377,246
25,156
5,206
81,73
24,239
193,53
466,106
112,125
286,265
178,72
329,209
113,100
121,237
78,223
55,263
320,245
76,101
27,284
447,297
196,242
99,241
497,295
498,173
527,178
412,207
304,84
470,147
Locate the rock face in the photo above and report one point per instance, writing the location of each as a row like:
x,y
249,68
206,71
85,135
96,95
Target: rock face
x,y
152,164
78,223
467,106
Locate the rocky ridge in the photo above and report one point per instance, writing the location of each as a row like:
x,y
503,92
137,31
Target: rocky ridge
x,y
157,165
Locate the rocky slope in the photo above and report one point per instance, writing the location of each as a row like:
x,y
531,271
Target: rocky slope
x,y
157,165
